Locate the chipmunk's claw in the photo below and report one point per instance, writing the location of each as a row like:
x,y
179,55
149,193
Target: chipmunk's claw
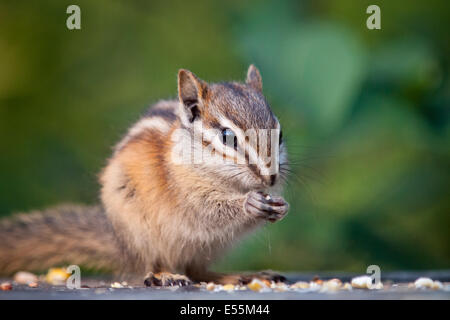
x,y
166,279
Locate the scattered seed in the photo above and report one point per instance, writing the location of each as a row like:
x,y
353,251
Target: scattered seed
x,y
218,288
228,287
362,282
116,285
268,283
300,285
279,285
331,285
347,286
314,286
318,281
6,286
256,285
23,277
423,283
437,285
57,276
336,280
428,283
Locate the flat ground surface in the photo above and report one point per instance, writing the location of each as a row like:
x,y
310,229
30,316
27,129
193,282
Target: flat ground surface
x,y
397,285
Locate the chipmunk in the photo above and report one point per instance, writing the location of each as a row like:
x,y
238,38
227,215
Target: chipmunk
x,y
163,219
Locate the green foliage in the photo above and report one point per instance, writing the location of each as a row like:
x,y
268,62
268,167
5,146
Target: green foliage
x,y
365,113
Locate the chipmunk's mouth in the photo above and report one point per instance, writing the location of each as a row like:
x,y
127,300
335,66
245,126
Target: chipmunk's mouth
x,y
272,179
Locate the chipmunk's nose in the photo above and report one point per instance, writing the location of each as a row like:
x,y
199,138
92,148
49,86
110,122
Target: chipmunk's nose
x,y
273,179
267,179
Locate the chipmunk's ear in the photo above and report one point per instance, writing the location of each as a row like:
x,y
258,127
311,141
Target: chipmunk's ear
x,y
254,78
191,91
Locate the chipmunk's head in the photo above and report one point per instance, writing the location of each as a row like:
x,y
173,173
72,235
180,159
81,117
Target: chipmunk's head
x,y
234,134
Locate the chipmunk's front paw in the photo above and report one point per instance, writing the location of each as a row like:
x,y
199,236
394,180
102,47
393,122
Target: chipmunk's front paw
x,y
166,279
265,206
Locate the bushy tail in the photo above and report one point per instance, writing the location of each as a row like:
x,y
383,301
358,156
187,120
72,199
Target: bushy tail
x,y
60,236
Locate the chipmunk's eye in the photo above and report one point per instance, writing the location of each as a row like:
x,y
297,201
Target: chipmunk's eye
x,y
229,138
281,138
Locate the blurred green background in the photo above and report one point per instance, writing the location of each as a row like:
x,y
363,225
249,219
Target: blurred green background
x,y
365,113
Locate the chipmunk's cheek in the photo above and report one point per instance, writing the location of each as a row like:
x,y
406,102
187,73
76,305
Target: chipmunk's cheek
x,y
251,184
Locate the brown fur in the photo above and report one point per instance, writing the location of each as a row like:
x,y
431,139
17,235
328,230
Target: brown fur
x,y
62,235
